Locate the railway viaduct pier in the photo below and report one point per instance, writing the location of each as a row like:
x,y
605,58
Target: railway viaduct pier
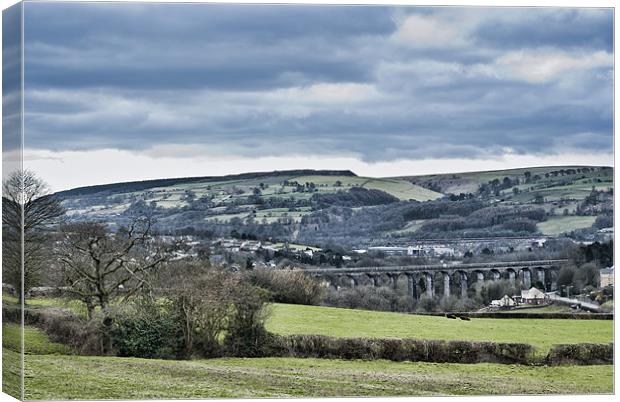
x,y
444,279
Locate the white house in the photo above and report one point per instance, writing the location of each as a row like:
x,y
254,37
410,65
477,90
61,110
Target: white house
x,y
533,296
607,276
504,302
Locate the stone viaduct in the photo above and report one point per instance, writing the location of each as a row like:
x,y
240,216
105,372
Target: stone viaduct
x,y
445,279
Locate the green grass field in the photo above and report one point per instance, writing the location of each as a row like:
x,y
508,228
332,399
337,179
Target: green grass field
x,y
562,224
542,333
411,227
52,374
76,377
289,319
36,342
11,372
75,306
399,188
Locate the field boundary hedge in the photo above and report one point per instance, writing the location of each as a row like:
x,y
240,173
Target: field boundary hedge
x,y
437,351
61,326
581,354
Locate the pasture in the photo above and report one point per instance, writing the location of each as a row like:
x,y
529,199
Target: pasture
x,y
287,319
77,377
293,319
36,342
290,319
399,188
53,373
561,224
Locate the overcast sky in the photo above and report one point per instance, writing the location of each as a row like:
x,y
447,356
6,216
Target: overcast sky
x,y
118,92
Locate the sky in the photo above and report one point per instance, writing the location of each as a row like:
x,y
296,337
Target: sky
x,y
120,92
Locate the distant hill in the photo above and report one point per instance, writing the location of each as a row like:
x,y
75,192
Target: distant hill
x,y
146,184
465,182
324,206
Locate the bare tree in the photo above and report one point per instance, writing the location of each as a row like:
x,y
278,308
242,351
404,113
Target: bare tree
x,y
100,266
29,211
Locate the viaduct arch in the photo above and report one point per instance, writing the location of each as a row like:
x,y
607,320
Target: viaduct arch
x,y
449,279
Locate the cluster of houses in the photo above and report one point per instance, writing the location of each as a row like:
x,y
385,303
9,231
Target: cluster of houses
x,y
458,247
222,247
534,296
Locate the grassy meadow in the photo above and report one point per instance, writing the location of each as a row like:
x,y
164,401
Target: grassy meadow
x,y
577,186
78,377
287,319
36,342
561,224
52,372
50,376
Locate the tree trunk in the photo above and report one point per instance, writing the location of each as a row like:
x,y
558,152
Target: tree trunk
x,y
107,326
107,338
90,309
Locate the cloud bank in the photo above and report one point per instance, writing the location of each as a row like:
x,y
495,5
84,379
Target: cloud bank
x,y
376,84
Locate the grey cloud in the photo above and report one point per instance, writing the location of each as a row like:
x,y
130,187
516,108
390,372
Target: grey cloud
x,y
143,76
568,28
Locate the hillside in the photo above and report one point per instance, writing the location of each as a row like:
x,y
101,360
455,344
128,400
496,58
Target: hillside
x,y
133,186
315,207
263,197
551,181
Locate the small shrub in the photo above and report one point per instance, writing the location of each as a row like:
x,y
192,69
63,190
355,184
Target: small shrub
x,y
11,314
246,335
145,329
201,299
426,304
288,286
61,326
